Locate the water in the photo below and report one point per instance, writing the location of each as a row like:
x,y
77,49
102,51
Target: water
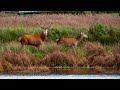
x,y
60,76
58,73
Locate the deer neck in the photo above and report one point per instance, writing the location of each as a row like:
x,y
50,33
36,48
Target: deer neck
x,y
79,38
43,36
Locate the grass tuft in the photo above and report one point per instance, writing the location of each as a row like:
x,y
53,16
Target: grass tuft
x,y
59,59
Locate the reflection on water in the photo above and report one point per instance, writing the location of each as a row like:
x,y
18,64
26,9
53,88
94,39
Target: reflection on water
x,y
68,73
84,71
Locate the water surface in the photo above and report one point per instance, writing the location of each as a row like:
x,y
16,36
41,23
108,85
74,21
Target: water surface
x,y
66,73
60,76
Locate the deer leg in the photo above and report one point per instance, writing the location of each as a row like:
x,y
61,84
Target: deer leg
x,y
21,46
74,45
37,46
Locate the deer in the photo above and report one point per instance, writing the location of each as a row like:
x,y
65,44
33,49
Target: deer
x,y
71,42
34,39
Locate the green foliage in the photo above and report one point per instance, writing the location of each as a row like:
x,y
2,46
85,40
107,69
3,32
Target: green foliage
x,y
56,33
38,54
104,34
97,32
11,34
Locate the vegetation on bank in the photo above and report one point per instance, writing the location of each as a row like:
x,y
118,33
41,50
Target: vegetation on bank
x,y
90,52
97,32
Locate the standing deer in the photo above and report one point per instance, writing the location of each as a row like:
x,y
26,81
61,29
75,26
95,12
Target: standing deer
x,y
72,42
36,39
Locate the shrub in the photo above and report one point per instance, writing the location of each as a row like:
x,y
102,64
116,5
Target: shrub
x,y
104,61
104,34
5,65
98,61
82,62
1,67
94,48
17,59
58,59
116,53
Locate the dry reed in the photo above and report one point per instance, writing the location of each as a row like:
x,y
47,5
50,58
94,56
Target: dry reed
x,y
58,58
58,20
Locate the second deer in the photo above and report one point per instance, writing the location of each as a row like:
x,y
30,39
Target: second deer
x,y
72,42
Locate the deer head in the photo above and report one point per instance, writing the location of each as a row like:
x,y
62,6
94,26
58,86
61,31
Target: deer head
x,y
45,29
84,35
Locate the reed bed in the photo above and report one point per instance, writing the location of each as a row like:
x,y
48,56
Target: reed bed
x,y
59,20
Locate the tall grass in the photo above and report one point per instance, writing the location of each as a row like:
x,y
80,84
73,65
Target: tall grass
x,y
91,54
97,32
59,20
18,62
12,34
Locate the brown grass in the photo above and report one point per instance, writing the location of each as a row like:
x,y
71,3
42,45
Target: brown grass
x,y
82,62
18,59
97,61
19,62
1,67
97,55
69,20
116,53
5,66
91,54
93,49
58,58
109,60
105,61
